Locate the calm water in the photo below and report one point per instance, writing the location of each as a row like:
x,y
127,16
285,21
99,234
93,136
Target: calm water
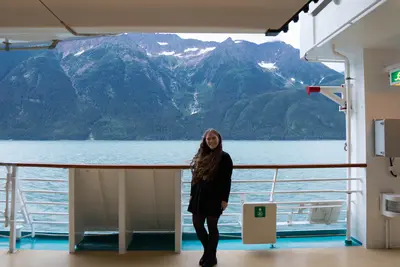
x,y
180,152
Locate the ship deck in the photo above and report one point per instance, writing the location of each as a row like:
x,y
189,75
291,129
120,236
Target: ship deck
x,y
286,257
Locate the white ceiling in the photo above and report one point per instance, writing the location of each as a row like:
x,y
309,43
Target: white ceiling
x,y
30,20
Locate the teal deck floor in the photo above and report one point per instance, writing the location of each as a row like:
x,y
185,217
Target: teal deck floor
x,y
166,243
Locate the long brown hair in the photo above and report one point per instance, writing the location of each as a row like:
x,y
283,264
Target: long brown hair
x,y
205,162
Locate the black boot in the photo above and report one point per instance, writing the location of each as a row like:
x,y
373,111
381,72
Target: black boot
x,y
202,259
202,235
210,262
210,259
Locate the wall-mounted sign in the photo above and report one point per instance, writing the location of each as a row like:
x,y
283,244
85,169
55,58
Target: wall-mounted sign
x,y
395,77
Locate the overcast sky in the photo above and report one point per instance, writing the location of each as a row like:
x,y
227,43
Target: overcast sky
x,y
292,37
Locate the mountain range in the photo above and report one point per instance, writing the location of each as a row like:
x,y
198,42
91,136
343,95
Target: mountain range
x,y
163,87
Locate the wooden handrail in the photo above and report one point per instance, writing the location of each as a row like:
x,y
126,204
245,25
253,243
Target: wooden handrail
x,y
159,166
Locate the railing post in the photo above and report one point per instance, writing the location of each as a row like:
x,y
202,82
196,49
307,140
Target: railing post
x,y
71,210
13,213
25,211
122,212
242,200
348,240
7,210
272,195
178,211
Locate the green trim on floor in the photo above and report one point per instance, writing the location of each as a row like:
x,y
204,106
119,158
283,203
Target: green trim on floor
x,y
281,243
166,241
358,242
280,234
192,235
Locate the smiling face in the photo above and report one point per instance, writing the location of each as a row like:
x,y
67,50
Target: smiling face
x,y
212,140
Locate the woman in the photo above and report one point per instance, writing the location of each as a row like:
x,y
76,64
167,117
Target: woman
x,y
211,184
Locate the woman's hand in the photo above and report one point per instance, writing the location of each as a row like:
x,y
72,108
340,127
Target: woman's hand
x,y
224,205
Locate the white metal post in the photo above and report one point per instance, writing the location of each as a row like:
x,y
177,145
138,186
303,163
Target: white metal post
x,y
349,149
25,212
178,212
272,195
348,139
13,213
71,210
7,210
122,211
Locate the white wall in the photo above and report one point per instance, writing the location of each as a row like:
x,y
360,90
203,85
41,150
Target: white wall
x,y
372,98
381,101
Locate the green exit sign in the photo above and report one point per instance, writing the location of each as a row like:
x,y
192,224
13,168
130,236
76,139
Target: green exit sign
x,y
395,77
259,212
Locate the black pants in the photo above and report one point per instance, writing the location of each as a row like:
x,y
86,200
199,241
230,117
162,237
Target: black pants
x,y
208,240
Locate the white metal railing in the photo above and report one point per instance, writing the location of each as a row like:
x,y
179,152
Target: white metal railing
x,y
24,204
296,208
290,209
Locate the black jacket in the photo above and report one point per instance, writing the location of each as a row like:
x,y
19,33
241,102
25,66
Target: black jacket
x,y
208,195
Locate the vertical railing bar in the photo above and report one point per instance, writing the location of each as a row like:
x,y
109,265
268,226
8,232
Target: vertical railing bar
x,y
272,195
7,210
178,211
25,211
240,219
13,221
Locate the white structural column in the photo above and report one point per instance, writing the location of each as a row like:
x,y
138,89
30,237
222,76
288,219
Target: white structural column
x,y
358,145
